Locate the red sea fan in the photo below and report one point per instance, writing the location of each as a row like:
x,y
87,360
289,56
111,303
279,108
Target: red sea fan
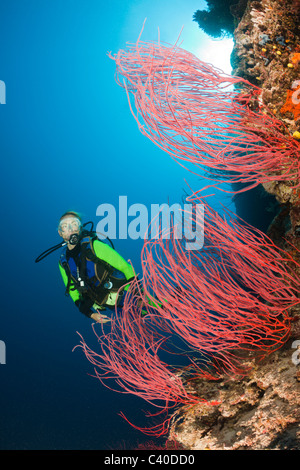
x,y
200,116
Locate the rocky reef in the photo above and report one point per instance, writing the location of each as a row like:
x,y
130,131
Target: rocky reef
x,y
260,411
267,53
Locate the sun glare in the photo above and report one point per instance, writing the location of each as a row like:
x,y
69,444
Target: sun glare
x,y
217,53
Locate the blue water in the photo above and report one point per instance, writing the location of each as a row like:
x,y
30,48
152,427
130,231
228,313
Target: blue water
x,y
68,141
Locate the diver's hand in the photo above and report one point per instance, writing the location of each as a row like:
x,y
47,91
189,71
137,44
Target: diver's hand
x,y
100,318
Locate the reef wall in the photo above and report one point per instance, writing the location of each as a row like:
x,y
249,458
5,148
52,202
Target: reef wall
x,y
260,411
267,53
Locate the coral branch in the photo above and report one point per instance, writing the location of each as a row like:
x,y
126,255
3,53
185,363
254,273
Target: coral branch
x,y
200,116
230,298
225,301
129,355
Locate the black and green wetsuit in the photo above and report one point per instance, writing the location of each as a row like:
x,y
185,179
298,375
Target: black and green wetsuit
x,y
93,273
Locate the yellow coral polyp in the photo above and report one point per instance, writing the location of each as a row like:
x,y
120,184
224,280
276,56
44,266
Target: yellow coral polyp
x,y
296,135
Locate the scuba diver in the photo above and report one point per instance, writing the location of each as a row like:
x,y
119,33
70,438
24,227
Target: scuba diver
x,y
93,272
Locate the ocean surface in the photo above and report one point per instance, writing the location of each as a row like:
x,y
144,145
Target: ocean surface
x,y
69,142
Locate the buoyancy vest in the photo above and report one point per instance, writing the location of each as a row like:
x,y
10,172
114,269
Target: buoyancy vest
x,y
90,275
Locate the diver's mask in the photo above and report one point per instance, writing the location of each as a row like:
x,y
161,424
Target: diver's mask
x,y
69,224
78,230
72,226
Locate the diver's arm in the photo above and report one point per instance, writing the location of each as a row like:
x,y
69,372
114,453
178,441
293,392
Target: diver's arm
x,y
108,254
100,318
84,304
74,294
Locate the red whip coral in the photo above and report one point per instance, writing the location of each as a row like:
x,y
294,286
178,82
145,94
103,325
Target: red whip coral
x,y
129,355
225,301
191,110
232,297
229,298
